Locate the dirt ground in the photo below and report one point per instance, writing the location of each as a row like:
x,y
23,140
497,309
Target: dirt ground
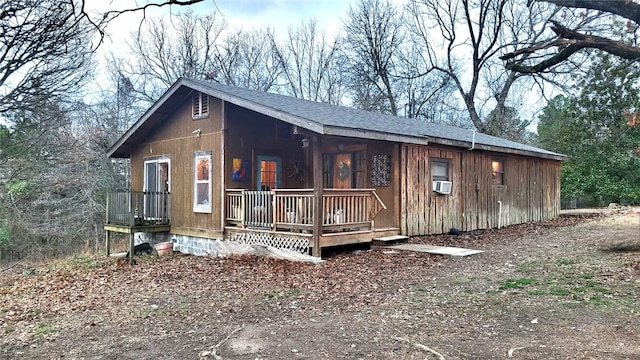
x,y
564,289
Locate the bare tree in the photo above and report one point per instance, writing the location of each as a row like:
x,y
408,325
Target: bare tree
x,y
568,40
101,20
463,39
45,50
427,93
310,64
245,59
200,47
373,38
52,178
164,50
45,57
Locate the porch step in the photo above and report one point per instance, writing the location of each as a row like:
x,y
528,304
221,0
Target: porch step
x,y
389,240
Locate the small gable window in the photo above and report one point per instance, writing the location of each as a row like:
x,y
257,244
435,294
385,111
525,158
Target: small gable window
x,y
200,106
497,172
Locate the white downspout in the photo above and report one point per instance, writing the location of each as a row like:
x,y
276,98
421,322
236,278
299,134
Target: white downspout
x,y
223,185
473,140
499,213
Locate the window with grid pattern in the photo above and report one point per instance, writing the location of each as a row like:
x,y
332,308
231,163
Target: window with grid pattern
x,y
268,174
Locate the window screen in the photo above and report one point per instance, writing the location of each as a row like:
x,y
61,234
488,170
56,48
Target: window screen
x,y
439,170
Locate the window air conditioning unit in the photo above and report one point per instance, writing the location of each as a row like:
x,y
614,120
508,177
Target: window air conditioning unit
x,y
442,187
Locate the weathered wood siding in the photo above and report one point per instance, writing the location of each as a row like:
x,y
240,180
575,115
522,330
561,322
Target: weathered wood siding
x,y
531,190
249,134
175,138
388,218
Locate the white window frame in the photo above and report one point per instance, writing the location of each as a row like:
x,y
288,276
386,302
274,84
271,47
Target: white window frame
x,y
160,187
200,106
202,207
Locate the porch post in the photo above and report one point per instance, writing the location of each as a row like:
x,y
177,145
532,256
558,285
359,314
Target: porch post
x,y
317,196
131,246
107,234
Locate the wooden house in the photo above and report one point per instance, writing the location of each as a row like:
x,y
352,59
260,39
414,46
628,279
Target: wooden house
x,y
216,162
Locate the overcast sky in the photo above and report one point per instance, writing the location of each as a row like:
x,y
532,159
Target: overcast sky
x,y
245,14
281,14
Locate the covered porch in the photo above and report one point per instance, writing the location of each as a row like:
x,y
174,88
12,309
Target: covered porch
x,y
346,216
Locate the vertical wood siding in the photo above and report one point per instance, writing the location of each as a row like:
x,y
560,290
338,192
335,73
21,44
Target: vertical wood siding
x,y
531,191
175,138
247,135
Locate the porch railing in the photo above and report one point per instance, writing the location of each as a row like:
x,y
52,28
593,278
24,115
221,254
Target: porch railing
x,y
293,209
138,208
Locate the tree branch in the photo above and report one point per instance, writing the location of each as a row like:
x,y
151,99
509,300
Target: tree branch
x,y
569,42
110,15
546,64
624,8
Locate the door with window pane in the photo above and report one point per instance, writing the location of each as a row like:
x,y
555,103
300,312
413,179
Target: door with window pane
x,y
268,172
268,177
156,181
344,170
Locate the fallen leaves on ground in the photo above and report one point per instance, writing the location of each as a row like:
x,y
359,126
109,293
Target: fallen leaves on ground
x,y
248,288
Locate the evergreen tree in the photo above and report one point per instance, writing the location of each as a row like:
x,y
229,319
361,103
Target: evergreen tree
x,y
591,128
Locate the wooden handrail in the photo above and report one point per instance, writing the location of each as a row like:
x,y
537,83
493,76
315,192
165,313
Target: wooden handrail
x,y
294,209
382,205
133,208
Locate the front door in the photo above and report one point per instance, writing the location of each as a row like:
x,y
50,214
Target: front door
x,y
344,170
156,182
268,172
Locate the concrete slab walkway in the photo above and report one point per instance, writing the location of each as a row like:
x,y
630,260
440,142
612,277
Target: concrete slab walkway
x,y
438,250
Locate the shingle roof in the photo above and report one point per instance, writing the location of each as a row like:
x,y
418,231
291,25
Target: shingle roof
x,y
345,121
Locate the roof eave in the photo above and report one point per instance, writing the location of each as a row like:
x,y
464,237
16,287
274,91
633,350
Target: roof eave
x,y
499,149
425,140
113,150
374,135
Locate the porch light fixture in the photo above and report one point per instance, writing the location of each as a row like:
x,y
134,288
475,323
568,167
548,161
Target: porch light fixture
x,y
305,143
